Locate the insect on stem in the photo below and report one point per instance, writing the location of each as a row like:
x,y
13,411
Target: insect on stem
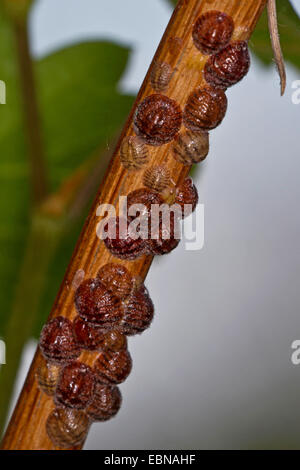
x,y
273,27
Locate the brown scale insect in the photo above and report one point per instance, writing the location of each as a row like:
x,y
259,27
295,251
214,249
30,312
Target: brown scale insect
x,y
111,368
161,75
175,45
212,31
93,338
229,66
106,403
75,386
191,147
205,109
141,216
133,153
143,196
168,195
114,341
187,195
47,376
163,239
78,278
157,178
67,427
123,244
138,313
117,279
57,341
157,119
88,336
95,304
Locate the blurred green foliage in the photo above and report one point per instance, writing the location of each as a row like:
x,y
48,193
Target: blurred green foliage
x,y
14,191
289,28
81,111
81,107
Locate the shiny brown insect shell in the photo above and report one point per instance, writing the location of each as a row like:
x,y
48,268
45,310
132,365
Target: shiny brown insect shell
x,y
140,205
133,153
117,279
205,109
114,341
88,336
78,278
111,368
57,341
157,119
144,196
212,31
163,239
47,376
161,75
175,45
191,147
122,243
94,338
67,427
75,386
97,305
106,403
187,196
157,178
229,66
138,313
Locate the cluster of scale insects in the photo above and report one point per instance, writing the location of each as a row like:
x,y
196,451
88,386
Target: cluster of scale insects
x,y
110,307
115,304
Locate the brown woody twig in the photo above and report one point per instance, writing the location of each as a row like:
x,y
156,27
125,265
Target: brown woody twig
x,y
27,426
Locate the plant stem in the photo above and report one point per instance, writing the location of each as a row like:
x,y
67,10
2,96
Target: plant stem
x,y
31,113
273,27
27,427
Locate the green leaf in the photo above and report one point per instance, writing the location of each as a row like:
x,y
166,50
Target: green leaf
x,y
81,106
81,109
289,28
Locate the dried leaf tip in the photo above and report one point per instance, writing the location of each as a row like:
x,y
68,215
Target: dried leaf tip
x,y
273,27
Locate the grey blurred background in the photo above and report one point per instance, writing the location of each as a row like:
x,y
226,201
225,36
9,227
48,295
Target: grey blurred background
x,y
214,370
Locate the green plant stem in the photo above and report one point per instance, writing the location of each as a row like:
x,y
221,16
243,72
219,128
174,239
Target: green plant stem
x,y
43,235
31,113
